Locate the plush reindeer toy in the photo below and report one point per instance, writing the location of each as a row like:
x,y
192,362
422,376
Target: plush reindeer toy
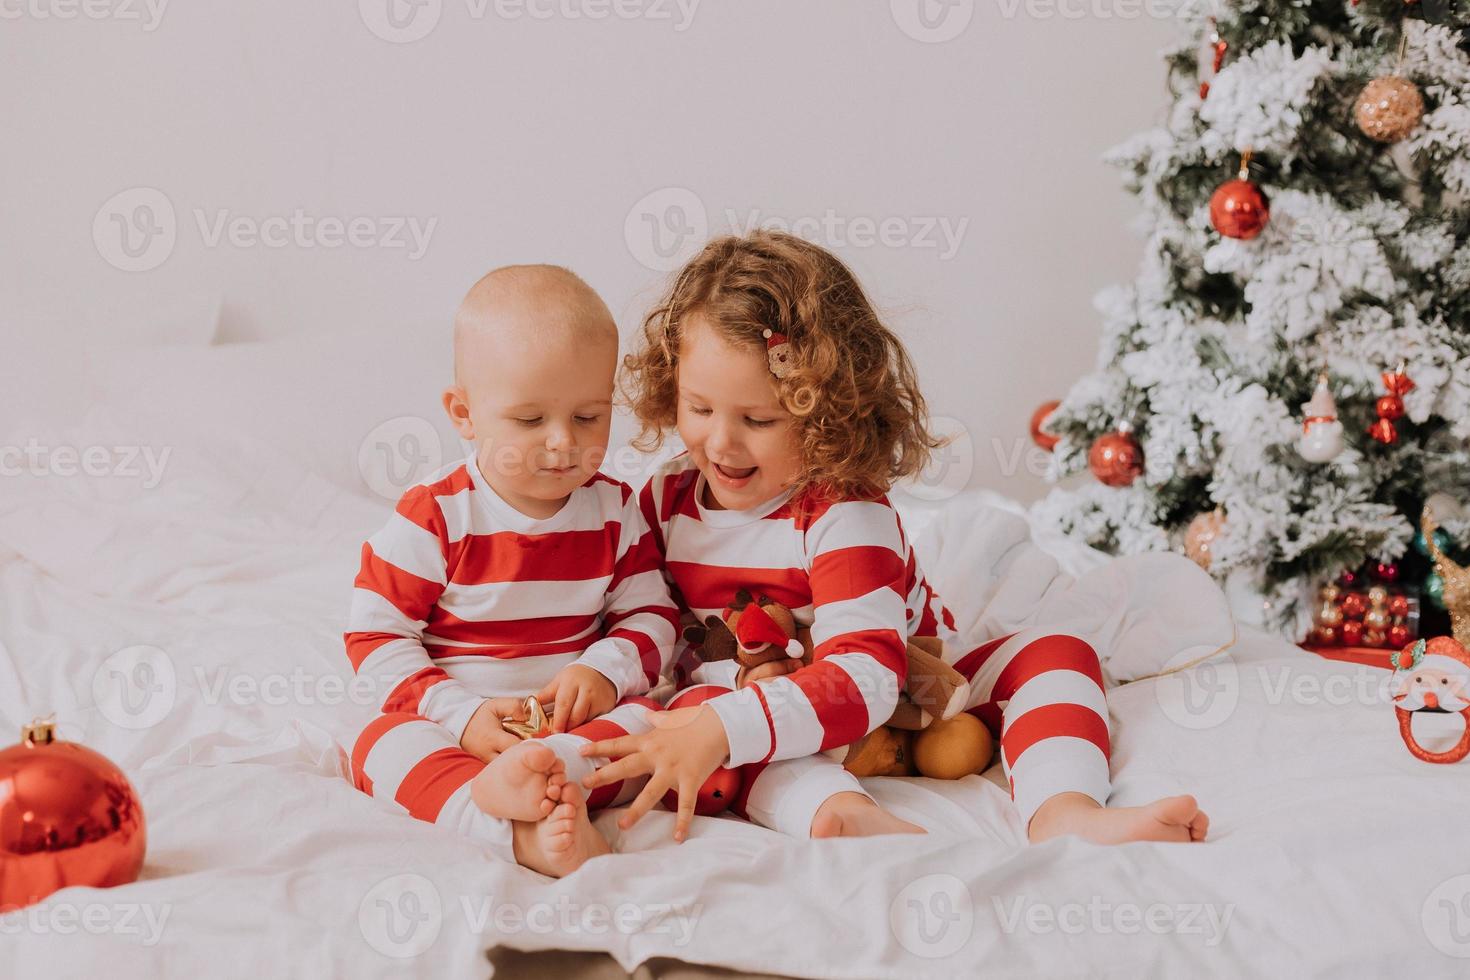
x,y
929,733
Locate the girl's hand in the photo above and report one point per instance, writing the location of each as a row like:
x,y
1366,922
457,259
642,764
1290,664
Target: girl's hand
x,y
685,746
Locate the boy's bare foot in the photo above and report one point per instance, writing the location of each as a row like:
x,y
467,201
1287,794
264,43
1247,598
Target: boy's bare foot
x,y
1173,818
855,815
522,783
561,843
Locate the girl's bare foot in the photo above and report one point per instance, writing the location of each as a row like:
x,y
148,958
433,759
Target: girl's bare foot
x,y
855,815
561,843
522,783
1173,818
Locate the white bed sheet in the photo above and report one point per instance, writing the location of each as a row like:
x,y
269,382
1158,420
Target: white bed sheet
x,y
1332,851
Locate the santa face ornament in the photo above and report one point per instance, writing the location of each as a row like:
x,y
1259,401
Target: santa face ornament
x,y
1432,677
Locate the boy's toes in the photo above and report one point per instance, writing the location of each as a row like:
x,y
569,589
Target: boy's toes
x,y
540,758
1199,826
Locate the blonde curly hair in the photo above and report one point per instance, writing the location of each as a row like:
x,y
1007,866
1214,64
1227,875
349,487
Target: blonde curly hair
x,y
861,421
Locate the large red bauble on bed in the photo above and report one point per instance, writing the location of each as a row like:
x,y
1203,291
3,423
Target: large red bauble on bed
x,y
68,816
723,785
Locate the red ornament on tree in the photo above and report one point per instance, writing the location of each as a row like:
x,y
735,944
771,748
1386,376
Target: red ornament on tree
x,y
1353,605
1352,633
1239,208
1211,57
1383,431
1116,459
1039,435
68,816
1386,571
1391,406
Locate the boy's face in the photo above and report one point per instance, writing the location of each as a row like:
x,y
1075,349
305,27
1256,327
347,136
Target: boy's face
x,y
731,420
538,415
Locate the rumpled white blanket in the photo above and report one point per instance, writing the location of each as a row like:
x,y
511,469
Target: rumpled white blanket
x,y
191,632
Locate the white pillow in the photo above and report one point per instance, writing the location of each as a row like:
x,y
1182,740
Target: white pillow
x,y
1144,614
44,371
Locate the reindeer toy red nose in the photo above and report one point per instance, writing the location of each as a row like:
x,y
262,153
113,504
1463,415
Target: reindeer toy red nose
x,y
1432,676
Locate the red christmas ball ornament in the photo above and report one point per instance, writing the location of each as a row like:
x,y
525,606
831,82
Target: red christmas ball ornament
x,y
1239,208
723,786
68,816
1039,435
1348,578
1327,636
1352,633
1353,605
719,791
1399,607
1386,571
1398,635
1116,459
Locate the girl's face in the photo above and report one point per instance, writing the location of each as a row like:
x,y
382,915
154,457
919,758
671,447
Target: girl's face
x,y
731,421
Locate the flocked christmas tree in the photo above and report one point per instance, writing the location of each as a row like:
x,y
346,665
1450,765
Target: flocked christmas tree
x,y
1288,379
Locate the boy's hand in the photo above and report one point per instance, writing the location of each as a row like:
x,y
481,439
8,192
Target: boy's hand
x,y
685,746
483,737
578,694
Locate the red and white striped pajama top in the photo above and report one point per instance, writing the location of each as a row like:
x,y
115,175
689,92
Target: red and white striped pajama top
x,y
460,597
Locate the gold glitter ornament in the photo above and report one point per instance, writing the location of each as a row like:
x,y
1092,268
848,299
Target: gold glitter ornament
x,y
1200,537
1389,109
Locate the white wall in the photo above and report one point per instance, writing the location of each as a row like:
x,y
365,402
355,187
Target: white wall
x,y
530,139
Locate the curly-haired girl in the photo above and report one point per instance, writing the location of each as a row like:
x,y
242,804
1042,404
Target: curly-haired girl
x,y
799,409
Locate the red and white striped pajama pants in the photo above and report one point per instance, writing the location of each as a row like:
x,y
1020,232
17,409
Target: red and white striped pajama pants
x,y
419,765
1042,693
